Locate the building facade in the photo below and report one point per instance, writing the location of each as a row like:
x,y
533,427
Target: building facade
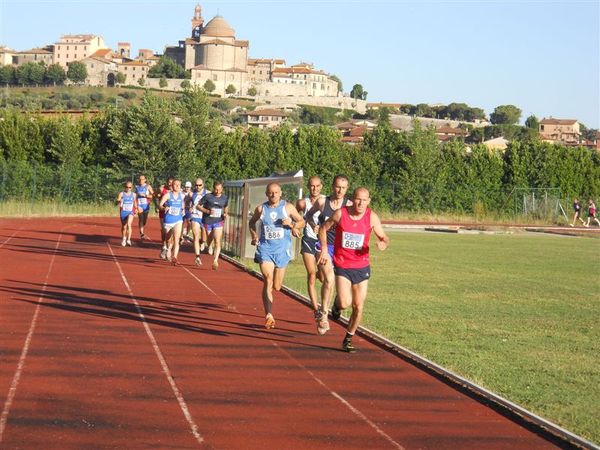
x,y
564,131
75,47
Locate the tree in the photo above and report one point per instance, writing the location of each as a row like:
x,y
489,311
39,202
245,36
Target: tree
x,y
37,73
209,86
77,72
185,84
231,89
340,86
505,115
163,82
167,68
55,75
120,78
358,92
7,75
252,91
532,122
141,81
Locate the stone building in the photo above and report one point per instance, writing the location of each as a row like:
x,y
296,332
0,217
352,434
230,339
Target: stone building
x,y
563,131
75,47
34,55
101,69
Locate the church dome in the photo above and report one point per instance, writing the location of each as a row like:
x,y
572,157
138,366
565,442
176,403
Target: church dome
x,y
218,27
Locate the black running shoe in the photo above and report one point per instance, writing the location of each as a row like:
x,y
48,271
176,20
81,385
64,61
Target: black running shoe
x,y
336,312
347,345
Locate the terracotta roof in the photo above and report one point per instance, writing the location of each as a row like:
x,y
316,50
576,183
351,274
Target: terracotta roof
x,y
558,121
101,53
451,130
345,126
218,27
241,43
266,112
36,50
358,131
292,70
133,63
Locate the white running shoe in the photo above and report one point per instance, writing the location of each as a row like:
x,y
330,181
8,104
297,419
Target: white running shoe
x,y
197,261
123,242
210,250
163,253
128,243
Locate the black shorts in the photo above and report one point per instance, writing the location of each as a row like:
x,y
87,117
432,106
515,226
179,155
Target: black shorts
x,y
308,246
355,276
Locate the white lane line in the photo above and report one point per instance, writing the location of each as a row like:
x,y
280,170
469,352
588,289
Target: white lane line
x,y
159,354
347,404
15,381
11,236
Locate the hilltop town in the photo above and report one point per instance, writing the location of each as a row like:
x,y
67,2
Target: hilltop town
x,y
214,58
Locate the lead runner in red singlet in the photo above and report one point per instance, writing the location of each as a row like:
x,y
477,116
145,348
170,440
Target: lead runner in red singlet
x,y
353,226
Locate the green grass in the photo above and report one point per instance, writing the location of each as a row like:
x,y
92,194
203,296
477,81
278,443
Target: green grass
x,y
53,208
517,314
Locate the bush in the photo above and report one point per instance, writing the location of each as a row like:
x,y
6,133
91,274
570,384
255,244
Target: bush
x,y
128,95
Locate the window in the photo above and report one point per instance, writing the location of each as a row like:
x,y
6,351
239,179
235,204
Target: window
x,y
215,77
67,56
91,66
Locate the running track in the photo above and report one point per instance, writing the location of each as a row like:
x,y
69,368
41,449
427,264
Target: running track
x,y
109,347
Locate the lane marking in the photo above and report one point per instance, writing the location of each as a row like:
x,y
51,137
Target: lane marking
x,y
15,381
341,399
11,236
159,354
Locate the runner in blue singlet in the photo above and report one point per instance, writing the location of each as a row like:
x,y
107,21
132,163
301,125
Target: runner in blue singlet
x,y
215,208
172,205
144,194
127,207
279,221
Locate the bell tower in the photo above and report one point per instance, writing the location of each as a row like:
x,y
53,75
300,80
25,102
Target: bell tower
x,y
197,22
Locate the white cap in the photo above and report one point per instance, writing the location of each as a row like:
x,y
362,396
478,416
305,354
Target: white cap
x,y
188,184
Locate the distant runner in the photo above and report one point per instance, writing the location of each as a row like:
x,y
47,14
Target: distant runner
x,y
127,208
163,190
577,214
197,229
172,205
279,221
353,225
215,208
187,226
591,213
144,193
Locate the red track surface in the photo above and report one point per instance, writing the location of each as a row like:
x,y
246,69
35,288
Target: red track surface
x,y
80,364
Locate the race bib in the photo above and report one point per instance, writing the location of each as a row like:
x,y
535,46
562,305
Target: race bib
x,y
173,211
142,201
271,233
127,206
216,212
352,241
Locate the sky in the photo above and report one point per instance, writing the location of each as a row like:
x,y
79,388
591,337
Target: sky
x,y
542,56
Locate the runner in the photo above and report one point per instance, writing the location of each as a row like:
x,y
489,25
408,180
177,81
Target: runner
x,y
144,193
577,214
197,229
127,207
280,220
215,209
327,206
353,225
187,191
162,191
591,213
309,240
172,205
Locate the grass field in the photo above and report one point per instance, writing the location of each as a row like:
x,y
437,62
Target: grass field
x,y
518,314
52,208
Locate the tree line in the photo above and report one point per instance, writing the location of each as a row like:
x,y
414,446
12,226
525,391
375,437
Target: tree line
x,y
38,74
87,159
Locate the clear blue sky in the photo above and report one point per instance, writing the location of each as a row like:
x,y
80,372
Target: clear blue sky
x,y
542,56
